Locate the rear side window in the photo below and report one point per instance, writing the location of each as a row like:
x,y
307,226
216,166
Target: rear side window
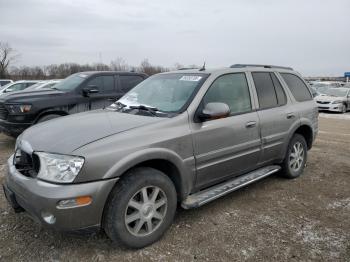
x,y
281,95
265,90
129,81
231,89
297,87
108,83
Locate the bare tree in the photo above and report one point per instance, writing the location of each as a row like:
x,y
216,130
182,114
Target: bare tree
x,y
7,56
119,64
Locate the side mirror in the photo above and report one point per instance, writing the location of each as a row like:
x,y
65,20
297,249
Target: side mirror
x,y
91,89
8,90
213,111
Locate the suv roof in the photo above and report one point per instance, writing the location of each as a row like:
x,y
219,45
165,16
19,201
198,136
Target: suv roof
x,y
233,68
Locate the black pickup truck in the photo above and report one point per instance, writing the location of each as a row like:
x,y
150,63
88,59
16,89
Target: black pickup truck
x,y
77,93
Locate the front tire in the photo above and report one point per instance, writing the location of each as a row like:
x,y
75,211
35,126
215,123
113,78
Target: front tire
x,y
344,109
140,208
294,163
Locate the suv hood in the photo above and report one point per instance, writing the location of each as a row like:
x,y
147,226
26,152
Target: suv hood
x,y
22,96
66,134
325,98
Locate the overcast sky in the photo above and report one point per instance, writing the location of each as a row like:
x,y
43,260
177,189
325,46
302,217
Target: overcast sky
x,y
312,36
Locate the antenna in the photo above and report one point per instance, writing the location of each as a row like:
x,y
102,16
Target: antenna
x,y
203,67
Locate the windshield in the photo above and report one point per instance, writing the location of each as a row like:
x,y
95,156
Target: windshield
x,y
167,93
70,83
336,92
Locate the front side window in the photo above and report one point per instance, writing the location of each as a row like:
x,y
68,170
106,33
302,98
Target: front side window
x,y
231,89
167,93
298,88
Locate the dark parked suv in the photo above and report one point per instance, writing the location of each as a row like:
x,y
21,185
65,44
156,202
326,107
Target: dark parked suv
x,y
189,137
77,93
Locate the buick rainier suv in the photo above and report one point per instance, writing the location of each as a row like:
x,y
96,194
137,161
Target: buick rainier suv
x,y
186,137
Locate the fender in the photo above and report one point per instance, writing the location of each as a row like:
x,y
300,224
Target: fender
x,y
186,173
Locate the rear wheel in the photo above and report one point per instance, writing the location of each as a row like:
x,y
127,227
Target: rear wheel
x,y
140,208
295,160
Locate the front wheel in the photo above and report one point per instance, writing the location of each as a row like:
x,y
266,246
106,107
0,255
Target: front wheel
x,y
294,163
344,109
140,208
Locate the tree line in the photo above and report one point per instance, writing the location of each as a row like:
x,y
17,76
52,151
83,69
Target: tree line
x,y
59,71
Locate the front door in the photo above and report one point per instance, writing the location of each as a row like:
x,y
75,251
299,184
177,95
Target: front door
x,y
229,146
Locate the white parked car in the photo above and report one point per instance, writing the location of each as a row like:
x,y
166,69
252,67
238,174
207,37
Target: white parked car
x,y
17,86
334,99
43,85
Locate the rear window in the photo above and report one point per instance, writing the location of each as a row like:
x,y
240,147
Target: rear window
x,y
298,88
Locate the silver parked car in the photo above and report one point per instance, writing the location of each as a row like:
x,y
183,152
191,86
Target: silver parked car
x,y
188,137
17,86
334,100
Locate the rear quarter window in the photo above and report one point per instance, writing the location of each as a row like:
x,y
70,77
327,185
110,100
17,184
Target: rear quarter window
x,y
298,88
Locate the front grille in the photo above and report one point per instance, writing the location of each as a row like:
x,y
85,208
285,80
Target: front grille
x,y
3,112
26,164
323,102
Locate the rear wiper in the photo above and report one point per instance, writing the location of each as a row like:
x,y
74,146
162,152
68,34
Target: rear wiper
x,y
149,109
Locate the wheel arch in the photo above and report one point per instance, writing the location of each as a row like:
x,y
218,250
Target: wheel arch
x,y
50,112
163,160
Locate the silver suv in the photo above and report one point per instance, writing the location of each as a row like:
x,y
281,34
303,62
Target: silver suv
x,y
188,137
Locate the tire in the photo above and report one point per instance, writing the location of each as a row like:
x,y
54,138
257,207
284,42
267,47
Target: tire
x,y
48,117
343,109
122,221
293,169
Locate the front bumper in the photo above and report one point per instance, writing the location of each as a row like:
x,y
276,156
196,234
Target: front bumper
x,y
13,129
330,107
40,198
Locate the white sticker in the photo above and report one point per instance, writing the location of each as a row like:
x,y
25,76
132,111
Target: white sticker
x,y
191,78
82,75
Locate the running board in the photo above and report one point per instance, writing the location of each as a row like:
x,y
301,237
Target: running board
x,y
202,197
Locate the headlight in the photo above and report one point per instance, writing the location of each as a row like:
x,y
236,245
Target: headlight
x,y
59,168
17,109
337,102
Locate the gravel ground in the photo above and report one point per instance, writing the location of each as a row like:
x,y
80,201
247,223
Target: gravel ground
x,y
273,220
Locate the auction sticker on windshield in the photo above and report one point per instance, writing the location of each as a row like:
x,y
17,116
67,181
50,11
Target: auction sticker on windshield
x,y
191,78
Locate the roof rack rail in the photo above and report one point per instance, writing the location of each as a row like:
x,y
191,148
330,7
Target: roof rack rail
x,y
264,66
187,68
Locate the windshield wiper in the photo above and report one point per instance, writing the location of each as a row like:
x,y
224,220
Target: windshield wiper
x,y
149,109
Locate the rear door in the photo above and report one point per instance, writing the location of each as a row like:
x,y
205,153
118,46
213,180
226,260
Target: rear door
x,y
276,114
228,146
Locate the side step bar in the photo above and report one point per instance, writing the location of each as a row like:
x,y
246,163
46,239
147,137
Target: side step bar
x,y
202,197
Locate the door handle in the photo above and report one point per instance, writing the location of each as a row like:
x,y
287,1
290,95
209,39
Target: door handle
x,y
290,115
111,99
250,124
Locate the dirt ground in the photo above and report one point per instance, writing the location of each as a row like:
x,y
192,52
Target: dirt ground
x,y
306,219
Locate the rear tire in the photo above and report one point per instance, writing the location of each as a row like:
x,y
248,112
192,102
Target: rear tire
x,y
140,208
48,117
294,163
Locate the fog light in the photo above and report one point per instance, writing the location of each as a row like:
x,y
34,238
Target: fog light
x,y
75,202
48,217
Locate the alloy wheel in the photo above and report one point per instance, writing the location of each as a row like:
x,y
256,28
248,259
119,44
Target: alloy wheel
x,y
146,211
296,157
